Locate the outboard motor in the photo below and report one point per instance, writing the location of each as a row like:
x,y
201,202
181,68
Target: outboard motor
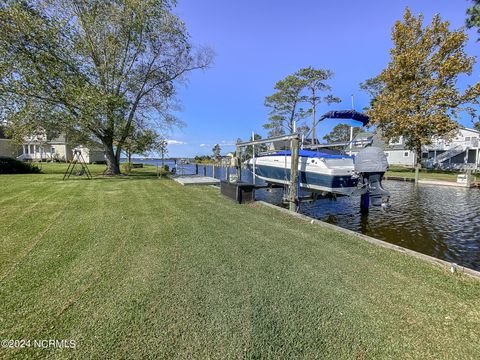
x,y
371,164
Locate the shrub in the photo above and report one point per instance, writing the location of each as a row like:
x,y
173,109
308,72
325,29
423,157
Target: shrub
x,y
12,166
166,168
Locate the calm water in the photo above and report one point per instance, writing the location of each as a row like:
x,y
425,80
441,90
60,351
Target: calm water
x,y
439,221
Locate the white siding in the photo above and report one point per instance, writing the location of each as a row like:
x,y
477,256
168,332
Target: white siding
x,y
400,157
91,156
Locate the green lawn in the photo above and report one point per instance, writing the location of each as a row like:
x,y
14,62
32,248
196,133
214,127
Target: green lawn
x,y
137,267
405,172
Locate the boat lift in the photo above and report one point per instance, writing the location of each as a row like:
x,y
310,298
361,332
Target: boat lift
x,y
295,141
294,138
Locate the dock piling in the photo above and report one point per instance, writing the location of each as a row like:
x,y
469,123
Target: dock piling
x,y
294,175
238,163
364,203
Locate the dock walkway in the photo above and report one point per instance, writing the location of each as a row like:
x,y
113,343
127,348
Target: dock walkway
x,y
196,180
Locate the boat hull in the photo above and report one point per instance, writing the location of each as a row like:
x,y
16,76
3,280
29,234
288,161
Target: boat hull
x,y
315,175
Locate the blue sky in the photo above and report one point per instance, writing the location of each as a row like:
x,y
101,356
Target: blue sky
x,y
260,42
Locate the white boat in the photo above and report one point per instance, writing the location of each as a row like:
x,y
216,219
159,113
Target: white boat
x,y
317,171
324,171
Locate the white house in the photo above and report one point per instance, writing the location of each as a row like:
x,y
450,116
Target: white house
x,y
459,152
39,147
395,149
398,154
7,147
91,155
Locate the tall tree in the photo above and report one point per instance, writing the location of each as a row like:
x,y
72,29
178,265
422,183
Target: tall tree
x,y
139,142
161,147
285,104
258,148
315,83
473,16
216,152
373,87
340,133
93,66
274,128
418,97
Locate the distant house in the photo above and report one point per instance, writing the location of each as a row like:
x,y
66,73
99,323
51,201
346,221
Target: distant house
x,y
7,147
92,155
461,152
40,148
226,160
395,149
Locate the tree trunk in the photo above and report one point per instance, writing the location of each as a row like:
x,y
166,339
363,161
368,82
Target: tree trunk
x,y
113,163
418,162
129,161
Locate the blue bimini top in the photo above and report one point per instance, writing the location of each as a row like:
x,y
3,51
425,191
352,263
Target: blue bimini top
x,y
310,154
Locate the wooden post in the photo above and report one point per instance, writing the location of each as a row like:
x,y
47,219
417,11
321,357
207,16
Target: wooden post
x,y
213,170
253,158
294,175
476,160
364,203
469,177
196,169
417,173
227,173
238,164
350,146
204,170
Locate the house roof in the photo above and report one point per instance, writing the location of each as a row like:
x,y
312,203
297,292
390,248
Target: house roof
x,y
365,138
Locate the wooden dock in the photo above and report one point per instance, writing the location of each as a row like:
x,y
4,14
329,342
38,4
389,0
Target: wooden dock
x,y
196,180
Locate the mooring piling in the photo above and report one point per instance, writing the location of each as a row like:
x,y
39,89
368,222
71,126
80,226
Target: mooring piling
x,y
238,163
364,203
293,175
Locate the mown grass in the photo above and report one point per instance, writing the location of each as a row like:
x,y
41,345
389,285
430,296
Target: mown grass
x,y
444,175
137,267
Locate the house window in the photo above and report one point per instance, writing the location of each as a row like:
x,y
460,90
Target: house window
x,y
387,153
406,153
52,150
